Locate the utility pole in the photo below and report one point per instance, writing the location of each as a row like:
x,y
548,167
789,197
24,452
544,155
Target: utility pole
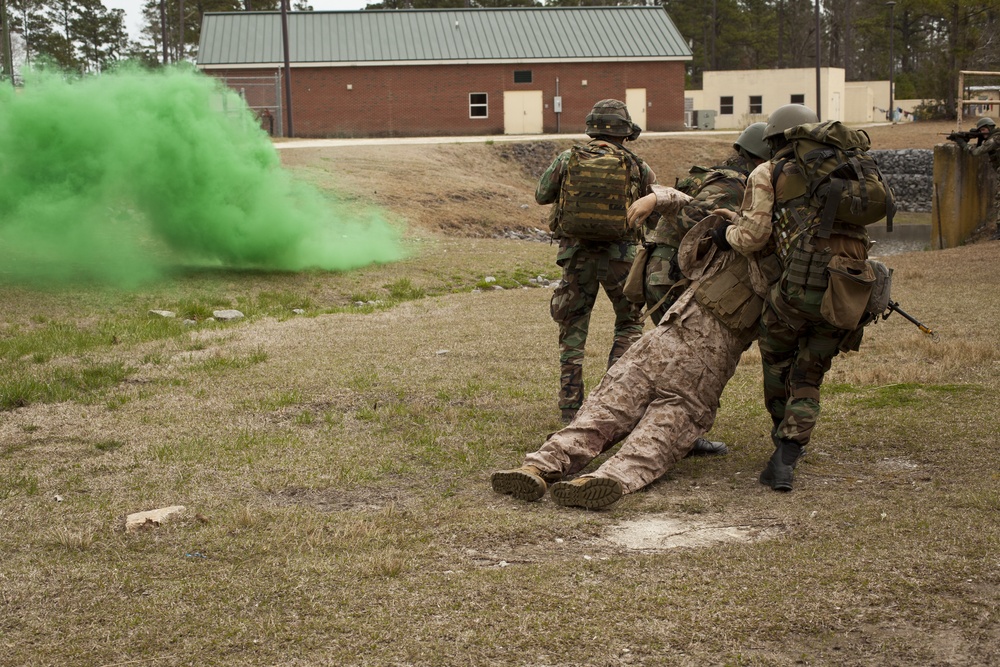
x,y
892,64
288,67
819,100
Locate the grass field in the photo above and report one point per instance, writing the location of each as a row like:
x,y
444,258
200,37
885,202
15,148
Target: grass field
x,y
335,464
334,467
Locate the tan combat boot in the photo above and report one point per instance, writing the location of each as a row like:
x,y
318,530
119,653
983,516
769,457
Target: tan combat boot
x,y
524,483
590,492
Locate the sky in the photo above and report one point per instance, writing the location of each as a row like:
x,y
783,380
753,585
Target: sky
x,y
133,10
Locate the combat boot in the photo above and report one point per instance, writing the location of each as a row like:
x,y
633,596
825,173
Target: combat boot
x,y
524,483
778,472
706,447
589,492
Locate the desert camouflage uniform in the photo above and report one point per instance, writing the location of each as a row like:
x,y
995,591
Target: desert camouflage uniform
x,y
586,267
797,344
661,268
991,148
660,397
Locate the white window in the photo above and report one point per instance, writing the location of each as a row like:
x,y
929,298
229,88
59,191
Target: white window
x,y
478,105
756,104
726,105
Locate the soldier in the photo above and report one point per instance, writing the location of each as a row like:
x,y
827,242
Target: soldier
x,y
711,187
589,254
664,391
989,145
797,344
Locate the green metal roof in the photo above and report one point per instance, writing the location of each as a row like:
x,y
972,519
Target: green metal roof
x,y
442,36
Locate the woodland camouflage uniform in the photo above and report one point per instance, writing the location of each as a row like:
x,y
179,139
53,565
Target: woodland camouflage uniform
x,y
797,344
723,189
991,148
587,266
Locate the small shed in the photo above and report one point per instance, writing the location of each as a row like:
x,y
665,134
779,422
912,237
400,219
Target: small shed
x,y
451,71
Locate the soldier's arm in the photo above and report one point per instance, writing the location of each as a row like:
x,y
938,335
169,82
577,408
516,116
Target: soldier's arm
x,y
991,144
751,227
724,193
547,191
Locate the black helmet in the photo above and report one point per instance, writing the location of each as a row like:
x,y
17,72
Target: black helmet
x,y
985,122
786,117
610,118
751,140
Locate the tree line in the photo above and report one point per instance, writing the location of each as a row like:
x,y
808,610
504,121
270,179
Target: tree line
x,y
931,39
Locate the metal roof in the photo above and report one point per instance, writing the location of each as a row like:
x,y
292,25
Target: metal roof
x,y
524,34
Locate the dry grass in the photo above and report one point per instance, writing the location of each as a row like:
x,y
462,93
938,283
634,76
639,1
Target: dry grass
x,y
335,469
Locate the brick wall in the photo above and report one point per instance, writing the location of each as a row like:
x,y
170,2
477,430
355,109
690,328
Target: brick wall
x,y
414,100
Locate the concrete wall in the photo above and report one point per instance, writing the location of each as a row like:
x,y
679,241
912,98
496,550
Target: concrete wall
x,y
413,100
963,193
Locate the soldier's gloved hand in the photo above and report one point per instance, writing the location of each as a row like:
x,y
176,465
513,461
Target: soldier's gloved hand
x,y
719,236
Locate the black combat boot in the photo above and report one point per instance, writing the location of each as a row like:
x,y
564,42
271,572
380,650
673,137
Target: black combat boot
x,y
778,472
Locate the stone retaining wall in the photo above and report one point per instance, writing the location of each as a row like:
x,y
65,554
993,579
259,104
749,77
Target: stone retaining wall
x,y
910,172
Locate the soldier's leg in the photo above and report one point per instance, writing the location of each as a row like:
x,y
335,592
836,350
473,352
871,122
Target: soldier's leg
x,y
628,323
572,302
778,346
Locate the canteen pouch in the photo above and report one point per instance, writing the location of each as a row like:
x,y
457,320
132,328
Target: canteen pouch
x,y
635,284
848,291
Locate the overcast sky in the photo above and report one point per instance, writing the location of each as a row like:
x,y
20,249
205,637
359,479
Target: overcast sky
x,y
133,10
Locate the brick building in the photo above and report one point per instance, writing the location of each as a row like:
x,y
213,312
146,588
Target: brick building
x,y
451,72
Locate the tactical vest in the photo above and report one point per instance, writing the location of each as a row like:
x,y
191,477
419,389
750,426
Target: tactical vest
x,y
729,295
599,184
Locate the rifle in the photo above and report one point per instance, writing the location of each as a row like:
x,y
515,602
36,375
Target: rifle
x,y
894,307
966,136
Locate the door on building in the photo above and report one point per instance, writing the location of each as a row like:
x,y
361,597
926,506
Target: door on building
x,y
635,100
522,112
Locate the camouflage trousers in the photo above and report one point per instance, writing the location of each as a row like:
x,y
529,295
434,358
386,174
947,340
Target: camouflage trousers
x,y
585,271
795,357
659,281
657,400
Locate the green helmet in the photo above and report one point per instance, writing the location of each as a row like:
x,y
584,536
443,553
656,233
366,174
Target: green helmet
x,y
610,118
985,122
787,117
751,140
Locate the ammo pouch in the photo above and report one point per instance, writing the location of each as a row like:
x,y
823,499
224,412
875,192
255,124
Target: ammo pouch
x,y
635,284
729,295
881,295
848,291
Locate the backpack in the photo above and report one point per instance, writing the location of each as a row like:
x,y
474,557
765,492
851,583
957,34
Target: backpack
x,y
843,181
597,189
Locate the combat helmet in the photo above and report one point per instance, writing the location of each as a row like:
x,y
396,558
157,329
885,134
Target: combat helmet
x,y
985,122
751,141
611,118
786,117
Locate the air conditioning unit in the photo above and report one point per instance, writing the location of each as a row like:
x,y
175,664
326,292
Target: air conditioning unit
x,y
705,119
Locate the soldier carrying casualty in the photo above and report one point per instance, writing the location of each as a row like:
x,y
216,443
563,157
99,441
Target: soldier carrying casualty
x,y
663,393
591,187
810,203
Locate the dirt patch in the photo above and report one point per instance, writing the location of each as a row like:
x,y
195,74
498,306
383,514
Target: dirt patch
x,y
660,533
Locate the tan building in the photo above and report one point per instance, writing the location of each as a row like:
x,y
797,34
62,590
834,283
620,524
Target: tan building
x,y
741,97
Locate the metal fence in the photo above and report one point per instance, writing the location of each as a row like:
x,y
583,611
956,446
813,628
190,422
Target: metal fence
x,y
262,95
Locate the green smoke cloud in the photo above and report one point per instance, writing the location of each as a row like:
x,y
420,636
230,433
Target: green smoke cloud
x,y
114,178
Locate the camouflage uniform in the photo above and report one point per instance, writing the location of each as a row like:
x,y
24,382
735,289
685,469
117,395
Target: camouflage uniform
x,y
723,188
991,148
659,398
796,343
587,266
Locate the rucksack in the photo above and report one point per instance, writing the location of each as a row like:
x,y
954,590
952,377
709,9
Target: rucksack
x,y
597,189
843,181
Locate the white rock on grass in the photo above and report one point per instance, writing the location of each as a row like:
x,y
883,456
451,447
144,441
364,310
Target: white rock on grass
x,y
152,518
227,315
163,313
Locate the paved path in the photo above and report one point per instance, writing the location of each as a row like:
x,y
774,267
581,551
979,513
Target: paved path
x,y
282,144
